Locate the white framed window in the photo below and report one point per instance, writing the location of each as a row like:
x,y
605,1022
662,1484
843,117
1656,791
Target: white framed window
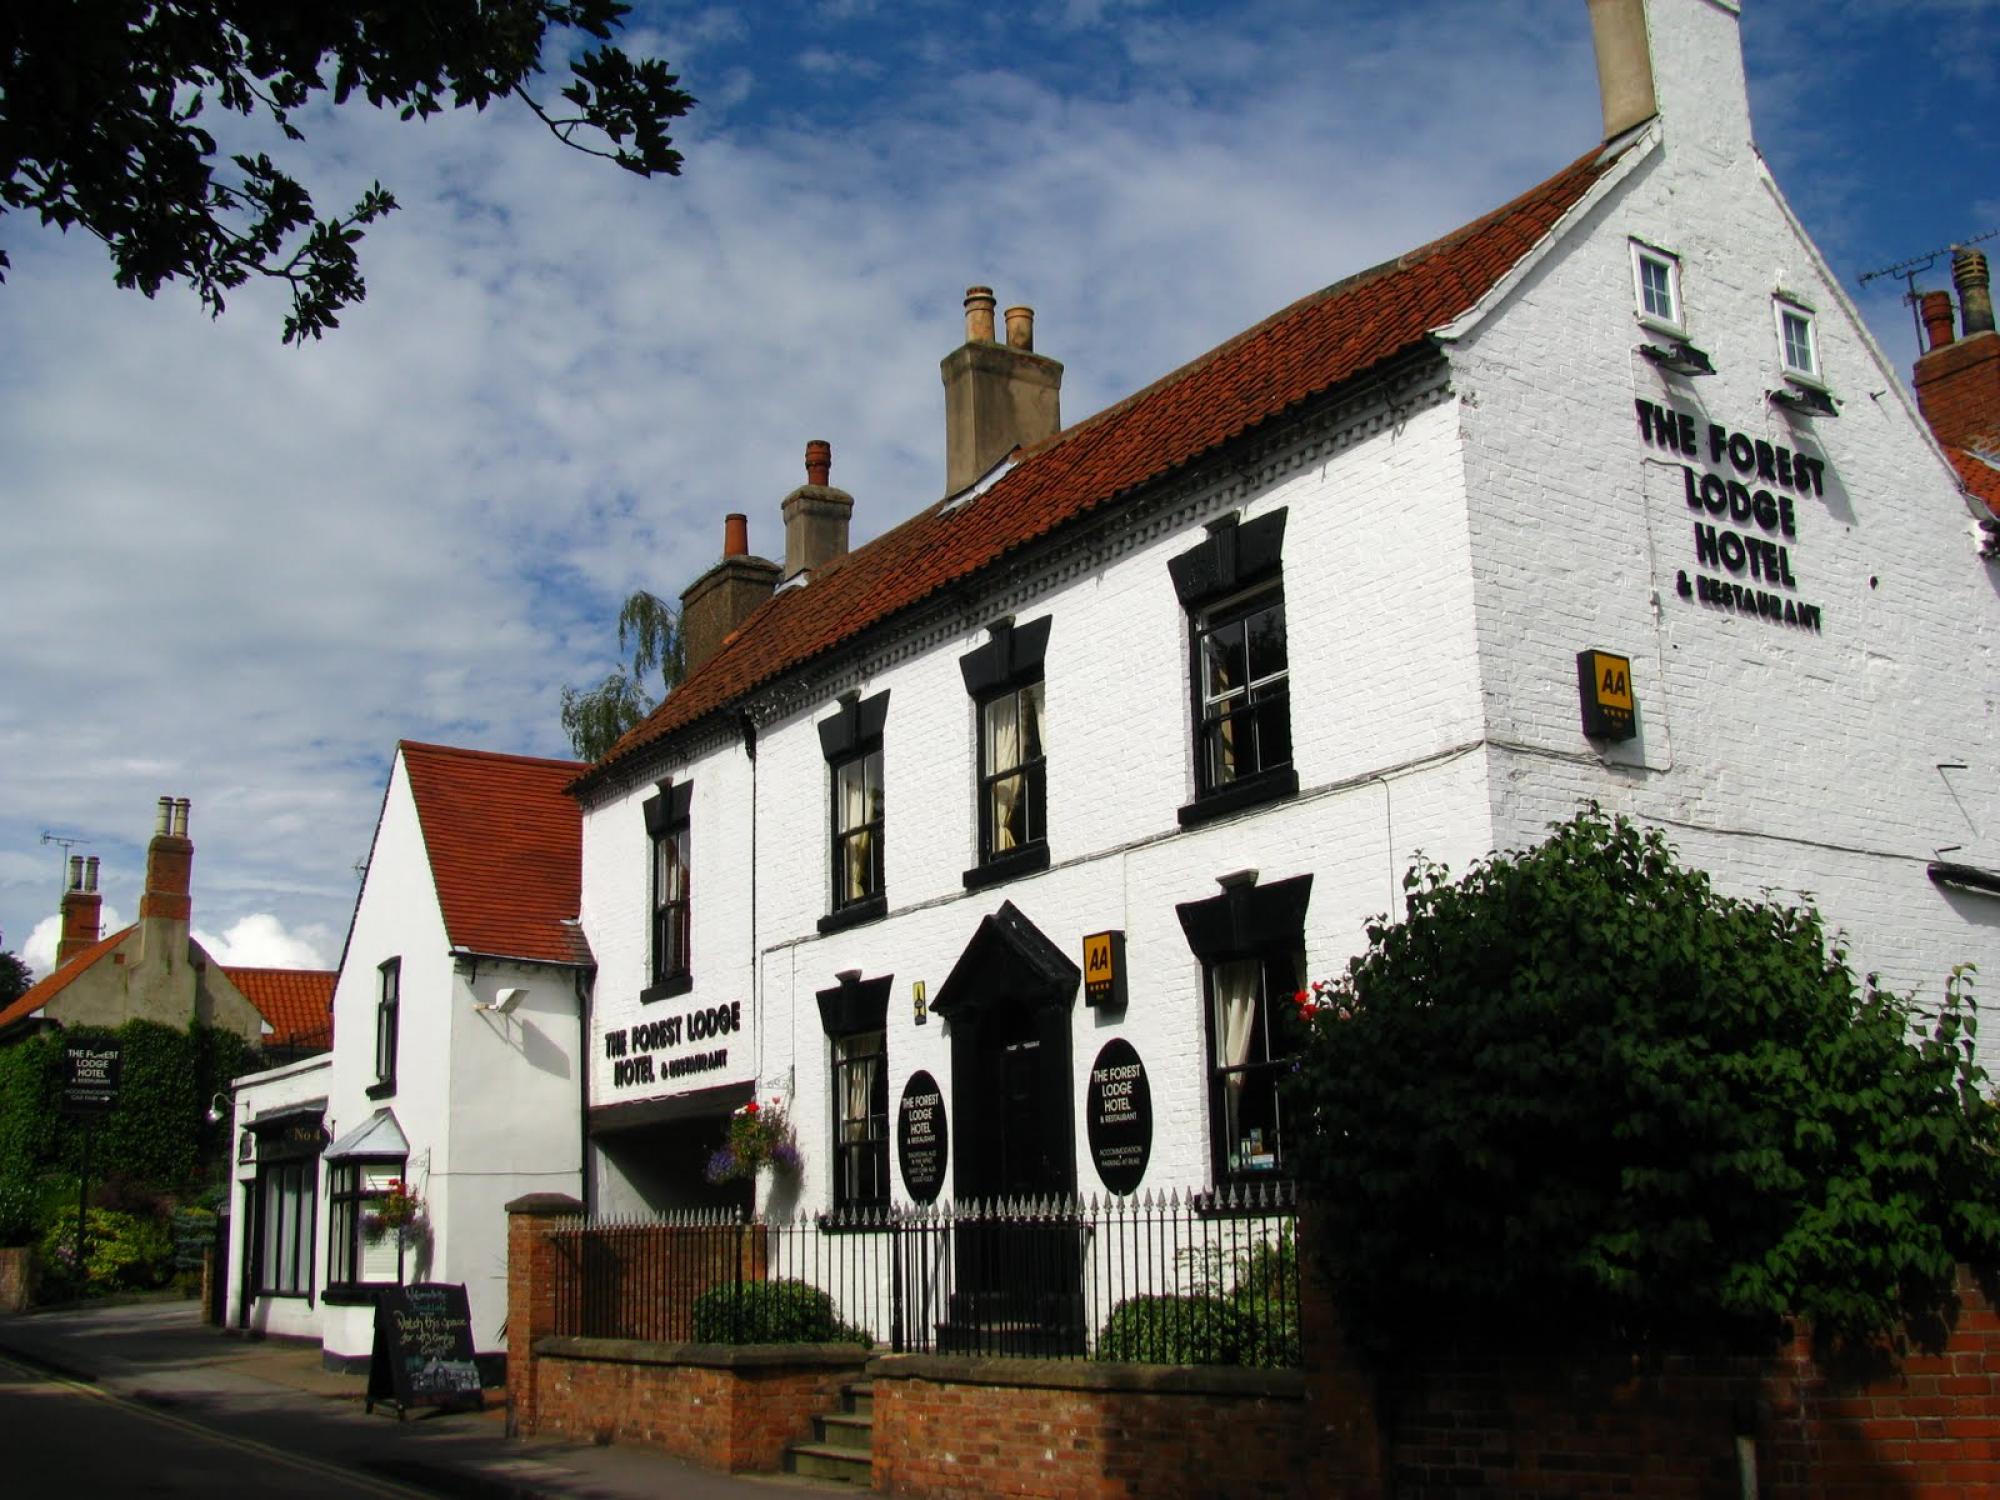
x,y
1798,340
1656,284
353,1258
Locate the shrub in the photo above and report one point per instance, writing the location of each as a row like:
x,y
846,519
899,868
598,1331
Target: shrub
x,y
1577,1096
770,1312
122,1252
1161,1330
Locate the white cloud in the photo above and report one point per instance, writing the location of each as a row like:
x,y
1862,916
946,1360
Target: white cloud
x,y
260,941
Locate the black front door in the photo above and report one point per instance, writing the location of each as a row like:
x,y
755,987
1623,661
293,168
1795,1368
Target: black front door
x,y
1018,1249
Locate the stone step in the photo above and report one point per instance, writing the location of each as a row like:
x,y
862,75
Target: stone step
x,y
844,1430
857,1398
824,1461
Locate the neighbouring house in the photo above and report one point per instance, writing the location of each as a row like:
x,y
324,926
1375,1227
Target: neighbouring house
x,y
1958,375
456,1067
154,970
1048,797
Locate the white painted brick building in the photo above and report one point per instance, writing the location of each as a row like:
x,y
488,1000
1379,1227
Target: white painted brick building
x,y
1445,473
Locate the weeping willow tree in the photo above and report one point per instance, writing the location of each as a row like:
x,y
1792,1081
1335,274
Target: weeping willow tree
x,y
595,718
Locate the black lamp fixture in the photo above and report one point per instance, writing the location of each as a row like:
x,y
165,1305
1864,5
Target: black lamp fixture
x,y
1804,401
1679,358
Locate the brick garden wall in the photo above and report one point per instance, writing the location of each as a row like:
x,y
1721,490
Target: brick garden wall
x,y
728,1409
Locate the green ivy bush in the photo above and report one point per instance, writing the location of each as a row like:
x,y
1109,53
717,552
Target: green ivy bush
x,y
122,1252
1578,1096
770,1312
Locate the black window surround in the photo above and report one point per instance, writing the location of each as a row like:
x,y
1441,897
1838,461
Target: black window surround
x,y
851,741
283,1203
854,1014
354,1184
388,1017
1004,679
667,818
1232,588
1251,941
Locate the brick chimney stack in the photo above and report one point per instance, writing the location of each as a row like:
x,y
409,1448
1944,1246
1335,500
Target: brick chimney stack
x,y
997,397
165,905
82,909
1958,380
816,515
724,597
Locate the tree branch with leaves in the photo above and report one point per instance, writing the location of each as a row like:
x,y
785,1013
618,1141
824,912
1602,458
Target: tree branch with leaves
x,y
596,718
101,104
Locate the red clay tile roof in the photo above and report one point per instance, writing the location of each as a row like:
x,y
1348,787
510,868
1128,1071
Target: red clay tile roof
x,y
1291,357
297,1002
506,850
52,984
1980,476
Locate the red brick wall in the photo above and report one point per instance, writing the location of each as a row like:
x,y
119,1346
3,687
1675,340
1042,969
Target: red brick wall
x,y
736,1420
1926,1426
938,1438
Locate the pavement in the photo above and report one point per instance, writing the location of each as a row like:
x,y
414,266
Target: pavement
x,y
277,1393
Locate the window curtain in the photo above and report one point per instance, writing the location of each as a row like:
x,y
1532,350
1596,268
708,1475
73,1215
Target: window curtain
x,y
1235,1028
859,1093
1003,753
854,817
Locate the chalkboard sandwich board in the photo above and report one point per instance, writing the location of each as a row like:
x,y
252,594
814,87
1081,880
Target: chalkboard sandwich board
x,y
423,1350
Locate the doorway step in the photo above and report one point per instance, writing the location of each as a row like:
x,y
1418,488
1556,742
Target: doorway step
x,y
843,1442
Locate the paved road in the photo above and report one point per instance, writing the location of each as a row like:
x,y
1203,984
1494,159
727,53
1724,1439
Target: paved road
x,y
62,1437
142,1400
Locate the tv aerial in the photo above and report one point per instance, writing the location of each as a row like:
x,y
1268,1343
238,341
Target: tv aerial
x,y
1914,267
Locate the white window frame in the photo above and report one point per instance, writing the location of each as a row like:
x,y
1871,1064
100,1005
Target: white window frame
x,y
1781,308
1642,255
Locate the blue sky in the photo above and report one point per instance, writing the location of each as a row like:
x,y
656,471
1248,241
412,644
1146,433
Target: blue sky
x,y
239,573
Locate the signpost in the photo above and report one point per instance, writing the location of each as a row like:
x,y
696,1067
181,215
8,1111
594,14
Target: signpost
x,y
91,1072
423,1350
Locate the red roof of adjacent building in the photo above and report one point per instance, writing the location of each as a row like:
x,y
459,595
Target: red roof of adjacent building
x,y
52,984
1981,476
1304,351
297,1002
506,850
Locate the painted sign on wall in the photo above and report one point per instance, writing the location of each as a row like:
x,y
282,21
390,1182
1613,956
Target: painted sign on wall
x,y
673,1046
1118,1116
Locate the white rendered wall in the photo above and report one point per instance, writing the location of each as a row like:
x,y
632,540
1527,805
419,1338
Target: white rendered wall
x,y
1779,758
255,1095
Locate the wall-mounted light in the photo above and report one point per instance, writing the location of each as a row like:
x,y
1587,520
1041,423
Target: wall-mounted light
x,y
504,1001
217,1108
917,995
1679,358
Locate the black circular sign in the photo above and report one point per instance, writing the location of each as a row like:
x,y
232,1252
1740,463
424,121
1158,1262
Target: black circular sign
x,y
1119,1116
923,1142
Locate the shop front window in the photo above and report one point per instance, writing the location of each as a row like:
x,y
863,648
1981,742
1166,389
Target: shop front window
x,y
353,1259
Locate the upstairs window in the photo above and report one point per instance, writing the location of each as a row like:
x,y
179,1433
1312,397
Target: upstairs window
x,y
1233,589
852,743
388,1011
1798,345
1656,275
667,823
1246,721
1004,677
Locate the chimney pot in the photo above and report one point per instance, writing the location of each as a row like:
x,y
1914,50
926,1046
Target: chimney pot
x,y
164,822
76,872
979,315
181,818
90,874
819,462
736,534
1936,310
1021,328
1975,291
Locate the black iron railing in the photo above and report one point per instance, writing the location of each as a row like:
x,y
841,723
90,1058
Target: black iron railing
x,y
1207,1278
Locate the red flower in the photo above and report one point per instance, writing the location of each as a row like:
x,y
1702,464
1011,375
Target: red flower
x,y
750,1108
